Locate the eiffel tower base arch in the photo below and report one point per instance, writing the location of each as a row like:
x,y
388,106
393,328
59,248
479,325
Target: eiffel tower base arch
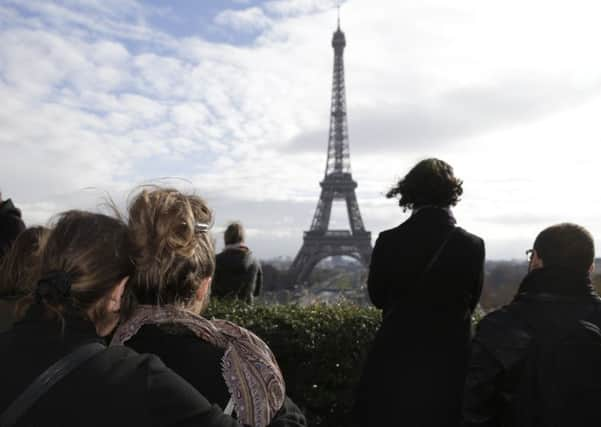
x,y
318,246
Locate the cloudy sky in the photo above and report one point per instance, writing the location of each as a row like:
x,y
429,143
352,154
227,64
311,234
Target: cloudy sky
x,y
231,99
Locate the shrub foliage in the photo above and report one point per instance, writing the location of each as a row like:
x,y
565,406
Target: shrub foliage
x,y
320,349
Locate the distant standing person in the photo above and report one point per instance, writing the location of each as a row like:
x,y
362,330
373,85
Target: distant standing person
x,y
11,224
238,273
19,272
426,275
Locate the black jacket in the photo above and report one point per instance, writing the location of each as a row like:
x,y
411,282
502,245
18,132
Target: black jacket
x,y
416,368
116,387
238,274
504,338
199,362
7,312
11,225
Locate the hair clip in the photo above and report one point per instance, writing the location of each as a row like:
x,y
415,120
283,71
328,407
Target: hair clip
x,y
201,227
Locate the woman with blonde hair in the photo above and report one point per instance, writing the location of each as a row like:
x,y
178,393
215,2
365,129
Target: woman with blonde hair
x,y
174,261
54,366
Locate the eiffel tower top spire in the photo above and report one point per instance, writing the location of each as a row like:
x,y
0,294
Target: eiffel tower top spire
x,y
338,146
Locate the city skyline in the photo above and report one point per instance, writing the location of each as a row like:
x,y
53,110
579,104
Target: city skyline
x,y
231,99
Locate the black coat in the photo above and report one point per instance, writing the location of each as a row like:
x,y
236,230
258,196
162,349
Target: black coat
x,y
11,225
117,387
549,298
199,362
238,274
8,316
416,368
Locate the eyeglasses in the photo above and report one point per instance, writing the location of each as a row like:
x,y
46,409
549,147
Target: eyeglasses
x,y
529,254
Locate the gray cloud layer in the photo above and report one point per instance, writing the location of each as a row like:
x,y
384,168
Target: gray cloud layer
x,y
453,116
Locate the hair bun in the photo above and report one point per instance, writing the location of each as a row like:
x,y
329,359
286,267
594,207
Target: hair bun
x,y
171,244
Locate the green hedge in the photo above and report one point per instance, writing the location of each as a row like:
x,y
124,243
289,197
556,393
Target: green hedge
x,y
320,349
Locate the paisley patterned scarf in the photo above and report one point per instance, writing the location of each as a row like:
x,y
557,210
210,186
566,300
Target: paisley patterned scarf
x,y
249,368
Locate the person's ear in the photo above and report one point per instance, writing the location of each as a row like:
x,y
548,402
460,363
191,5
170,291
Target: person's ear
x,y
591,269
114,303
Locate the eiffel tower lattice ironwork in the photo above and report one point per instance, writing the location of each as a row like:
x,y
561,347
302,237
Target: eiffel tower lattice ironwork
x,y
320,242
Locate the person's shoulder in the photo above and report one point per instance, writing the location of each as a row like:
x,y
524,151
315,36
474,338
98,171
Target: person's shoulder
x,y
124,359
238,334
391,233
503,330
120,366
497,319
227,256
250,255
466,235
175,342
233,252
254,347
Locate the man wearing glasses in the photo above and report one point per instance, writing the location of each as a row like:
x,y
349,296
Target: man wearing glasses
x,y
537,361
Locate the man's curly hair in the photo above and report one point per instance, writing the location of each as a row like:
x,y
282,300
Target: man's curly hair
x,y
430,183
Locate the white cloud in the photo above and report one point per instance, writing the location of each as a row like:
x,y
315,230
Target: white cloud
x,y
123,19
250,19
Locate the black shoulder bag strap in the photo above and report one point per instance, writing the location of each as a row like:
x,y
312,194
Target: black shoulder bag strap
x,y
436,255
428,266
46,380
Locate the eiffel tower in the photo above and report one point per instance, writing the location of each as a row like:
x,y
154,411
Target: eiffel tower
x,y
320,242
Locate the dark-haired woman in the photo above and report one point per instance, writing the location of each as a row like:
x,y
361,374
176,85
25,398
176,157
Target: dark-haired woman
x,y
174,261
426,275
19,269
54,367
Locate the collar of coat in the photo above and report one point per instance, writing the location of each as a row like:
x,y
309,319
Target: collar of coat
x,y
557,283
238,246
74,329
437,211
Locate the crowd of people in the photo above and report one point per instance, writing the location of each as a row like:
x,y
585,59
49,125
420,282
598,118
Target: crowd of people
x,y
101,322
103,325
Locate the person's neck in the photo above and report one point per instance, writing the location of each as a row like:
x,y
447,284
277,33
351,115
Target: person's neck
x,y
416,209
435,213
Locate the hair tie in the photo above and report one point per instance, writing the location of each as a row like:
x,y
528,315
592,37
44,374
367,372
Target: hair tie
x,y
54,286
